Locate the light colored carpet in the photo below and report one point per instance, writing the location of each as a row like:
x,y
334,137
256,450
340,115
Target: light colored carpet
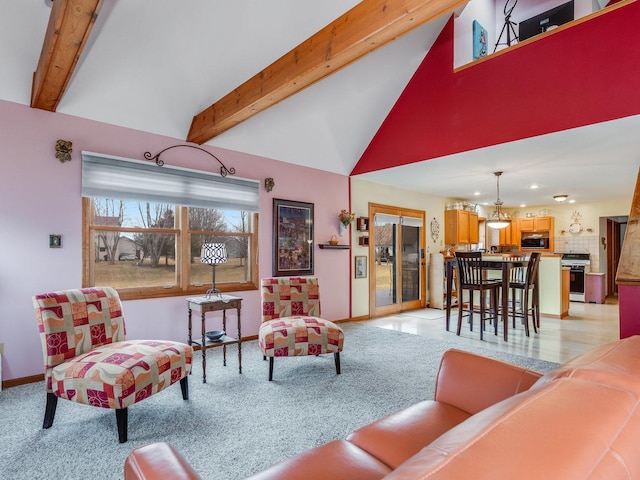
x,y
234,425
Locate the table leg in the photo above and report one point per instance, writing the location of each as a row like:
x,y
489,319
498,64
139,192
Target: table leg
x,y
224,347
204,351
239,343
449,274
505,300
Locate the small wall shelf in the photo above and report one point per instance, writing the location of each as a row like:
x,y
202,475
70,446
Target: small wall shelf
x,y
364,241
362,224
333,247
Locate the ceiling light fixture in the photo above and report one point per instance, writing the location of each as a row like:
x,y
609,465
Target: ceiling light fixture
x,y
498,218
560,198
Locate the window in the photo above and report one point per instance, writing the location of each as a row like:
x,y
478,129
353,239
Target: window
x,y
151,248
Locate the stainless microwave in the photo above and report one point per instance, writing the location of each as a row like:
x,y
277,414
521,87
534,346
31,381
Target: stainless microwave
x,y
534,243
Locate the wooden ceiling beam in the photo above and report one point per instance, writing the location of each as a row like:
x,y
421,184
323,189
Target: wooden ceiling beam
x,y
69,27
366,27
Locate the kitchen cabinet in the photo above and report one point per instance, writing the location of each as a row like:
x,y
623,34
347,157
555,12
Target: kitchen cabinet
x,y
460,227
516,232
474,232
505,236
536,224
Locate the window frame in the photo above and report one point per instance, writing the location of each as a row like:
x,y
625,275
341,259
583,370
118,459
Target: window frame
x,y
183,246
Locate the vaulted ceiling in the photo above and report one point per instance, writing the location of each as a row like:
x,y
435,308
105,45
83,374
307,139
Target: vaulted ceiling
x,y
153,65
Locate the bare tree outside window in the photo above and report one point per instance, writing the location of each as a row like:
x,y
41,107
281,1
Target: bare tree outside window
x,y
108,212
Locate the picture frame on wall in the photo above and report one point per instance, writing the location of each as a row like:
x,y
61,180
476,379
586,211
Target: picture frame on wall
x,y
360,268
480,39
292,238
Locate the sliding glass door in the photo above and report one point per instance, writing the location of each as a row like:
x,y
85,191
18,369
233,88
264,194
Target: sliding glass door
x,y
396,259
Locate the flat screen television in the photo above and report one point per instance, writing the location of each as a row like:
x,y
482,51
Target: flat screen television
x,y
541,23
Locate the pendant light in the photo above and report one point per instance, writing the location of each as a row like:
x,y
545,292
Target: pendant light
x,y
498,218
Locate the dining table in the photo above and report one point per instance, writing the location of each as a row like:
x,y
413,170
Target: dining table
x,y
498,263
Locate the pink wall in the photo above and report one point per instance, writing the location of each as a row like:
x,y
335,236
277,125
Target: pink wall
x,y
583,75
40,196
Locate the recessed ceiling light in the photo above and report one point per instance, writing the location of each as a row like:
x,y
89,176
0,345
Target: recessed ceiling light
x,y
572,201
476,193
534,186
560,198
522,205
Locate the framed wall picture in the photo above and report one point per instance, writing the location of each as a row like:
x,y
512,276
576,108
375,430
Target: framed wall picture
x,y
361,266
292,238
480,48
55,241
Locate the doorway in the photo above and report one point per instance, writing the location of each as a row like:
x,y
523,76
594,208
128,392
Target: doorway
x,y
396,259
612,246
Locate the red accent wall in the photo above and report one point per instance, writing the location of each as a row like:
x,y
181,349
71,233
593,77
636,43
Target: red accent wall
x,y
629,307
586,74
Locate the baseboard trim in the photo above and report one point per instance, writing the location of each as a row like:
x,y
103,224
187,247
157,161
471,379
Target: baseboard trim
x,y
15,382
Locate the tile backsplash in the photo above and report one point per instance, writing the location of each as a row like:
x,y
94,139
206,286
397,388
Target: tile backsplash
x,y
580,244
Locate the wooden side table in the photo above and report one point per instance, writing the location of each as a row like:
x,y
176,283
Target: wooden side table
x,y
215,303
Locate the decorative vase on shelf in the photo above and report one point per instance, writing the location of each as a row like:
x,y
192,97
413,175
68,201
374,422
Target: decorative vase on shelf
x,y
345,218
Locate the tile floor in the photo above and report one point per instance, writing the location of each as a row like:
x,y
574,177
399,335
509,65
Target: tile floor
x,y
586,326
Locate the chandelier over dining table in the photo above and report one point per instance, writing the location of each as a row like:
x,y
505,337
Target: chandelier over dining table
x,y
498,218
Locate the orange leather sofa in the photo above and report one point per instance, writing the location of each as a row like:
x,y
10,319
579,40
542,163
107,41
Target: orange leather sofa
x,y
488,420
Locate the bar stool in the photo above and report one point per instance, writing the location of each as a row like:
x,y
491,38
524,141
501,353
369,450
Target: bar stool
x,y
526,282
472,278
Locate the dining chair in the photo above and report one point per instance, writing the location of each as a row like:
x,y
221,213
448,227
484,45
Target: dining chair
x,y
524,285
471,278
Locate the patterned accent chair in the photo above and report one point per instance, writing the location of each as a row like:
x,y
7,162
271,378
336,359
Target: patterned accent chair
x,y
87,359
291,323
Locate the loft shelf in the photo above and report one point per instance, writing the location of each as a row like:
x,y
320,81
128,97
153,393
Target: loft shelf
x,y
333,247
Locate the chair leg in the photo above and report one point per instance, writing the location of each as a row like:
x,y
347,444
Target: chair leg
x,y
525,311
50,410
495,300
482,313
121,420
270,368
336,358
184,386
460,310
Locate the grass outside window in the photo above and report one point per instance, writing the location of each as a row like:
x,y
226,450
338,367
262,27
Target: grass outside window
x,y
149,250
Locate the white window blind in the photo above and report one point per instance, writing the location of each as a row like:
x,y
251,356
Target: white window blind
x,y
386,218
412,222
122,178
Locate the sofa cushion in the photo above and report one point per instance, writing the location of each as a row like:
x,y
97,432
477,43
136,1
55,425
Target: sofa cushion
x,y
568,429
472,382
397,437
616,363
335,460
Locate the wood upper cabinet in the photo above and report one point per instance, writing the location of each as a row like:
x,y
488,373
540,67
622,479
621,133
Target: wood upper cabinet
x,y
505,236
460,227
515,232
536,224
526,226
474,232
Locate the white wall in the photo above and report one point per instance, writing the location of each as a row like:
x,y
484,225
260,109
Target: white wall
x,y
490,14
590,215
363,192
